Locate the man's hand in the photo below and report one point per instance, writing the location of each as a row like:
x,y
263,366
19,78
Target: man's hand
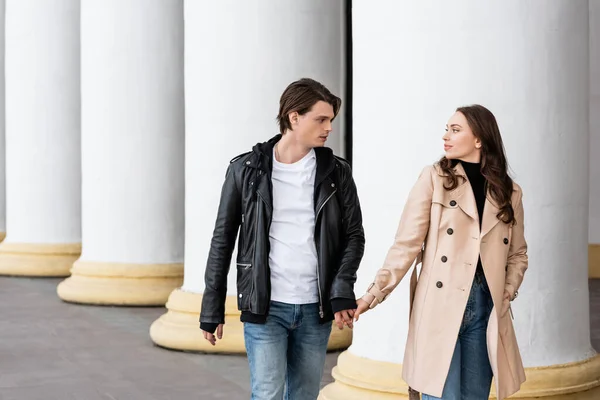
x,y
362,307
344,317
211,338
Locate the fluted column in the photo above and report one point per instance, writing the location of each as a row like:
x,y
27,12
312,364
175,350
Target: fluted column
x,y
594,238
528,63
132,153
240,56
43,162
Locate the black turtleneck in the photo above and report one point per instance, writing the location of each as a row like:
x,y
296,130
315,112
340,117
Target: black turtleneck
x,y
478,184
477,181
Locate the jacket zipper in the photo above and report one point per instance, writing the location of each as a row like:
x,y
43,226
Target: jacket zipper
x,y
256,235
242,234
321,313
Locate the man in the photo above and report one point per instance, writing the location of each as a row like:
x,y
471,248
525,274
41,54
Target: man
x,y
300,243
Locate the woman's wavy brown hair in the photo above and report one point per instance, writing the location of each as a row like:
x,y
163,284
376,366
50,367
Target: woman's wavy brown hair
x,y
494,166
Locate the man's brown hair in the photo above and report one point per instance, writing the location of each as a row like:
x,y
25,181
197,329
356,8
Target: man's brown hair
x,y
301,96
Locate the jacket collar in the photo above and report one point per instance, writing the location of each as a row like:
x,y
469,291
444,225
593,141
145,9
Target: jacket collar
x,y
465,199
264,159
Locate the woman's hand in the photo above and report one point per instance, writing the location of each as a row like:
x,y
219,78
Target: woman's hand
x,y
362,307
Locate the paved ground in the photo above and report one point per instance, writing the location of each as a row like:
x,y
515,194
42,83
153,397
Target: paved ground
x,y
50,350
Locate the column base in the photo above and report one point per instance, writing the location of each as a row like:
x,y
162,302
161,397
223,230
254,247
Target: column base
x,y
358,378
594,261
120,284
40,260
179,328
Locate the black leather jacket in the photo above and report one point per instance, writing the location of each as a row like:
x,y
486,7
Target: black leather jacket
x,y
247,205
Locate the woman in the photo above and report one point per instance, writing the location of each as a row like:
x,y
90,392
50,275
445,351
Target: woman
x,y
465,214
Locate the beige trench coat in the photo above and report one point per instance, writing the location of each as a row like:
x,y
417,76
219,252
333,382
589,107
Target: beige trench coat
x,y
447,273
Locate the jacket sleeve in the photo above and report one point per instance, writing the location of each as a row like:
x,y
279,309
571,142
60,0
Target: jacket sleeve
x,y
411,233
221,248
517,261
342,289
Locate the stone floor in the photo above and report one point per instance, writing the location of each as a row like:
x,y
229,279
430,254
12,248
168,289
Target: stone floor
x,y
51,350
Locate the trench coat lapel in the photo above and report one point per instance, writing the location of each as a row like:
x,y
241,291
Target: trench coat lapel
x,y
463,194
465,199
490,210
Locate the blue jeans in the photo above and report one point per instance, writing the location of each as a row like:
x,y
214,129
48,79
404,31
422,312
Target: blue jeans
x,y
287,354
470,375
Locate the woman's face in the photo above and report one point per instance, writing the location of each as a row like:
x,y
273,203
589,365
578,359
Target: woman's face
x,y
459,141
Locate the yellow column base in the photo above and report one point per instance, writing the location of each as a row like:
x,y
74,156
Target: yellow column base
x,y
358,378
179,328
120,284
594,260
33,259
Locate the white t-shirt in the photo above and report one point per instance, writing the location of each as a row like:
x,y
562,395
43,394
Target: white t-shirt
x,y
293,255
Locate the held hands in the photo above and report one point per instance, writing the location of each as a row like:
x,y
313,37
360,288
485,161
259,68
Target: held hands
x,y
362,307
344,317
211,337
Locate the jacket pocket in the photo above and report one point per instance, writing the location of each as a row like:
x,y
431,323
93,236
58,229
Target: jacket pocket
x,y
244,285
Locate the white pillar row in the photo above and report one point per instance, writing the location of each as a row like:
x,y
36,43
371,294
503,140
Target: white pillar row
x,y
240,56
132,152
594,233
2,123
528,63
43,161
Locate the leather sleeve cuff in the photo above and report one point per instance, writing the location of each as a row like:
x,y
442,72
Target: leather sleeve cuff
x,y
340,304
208,327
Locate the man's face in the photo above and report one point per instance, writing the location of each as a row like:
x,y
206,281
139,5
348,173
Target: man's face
x,y
313,128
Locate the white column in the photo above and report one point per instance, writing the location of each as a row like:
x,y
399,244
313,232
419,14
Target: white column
x,y
240,56
528,63
2,123
132,153
594,233
43,162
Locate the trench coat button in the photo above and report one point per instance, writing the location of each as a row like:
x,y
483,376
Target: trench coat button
x,y
453,203
247,162
439,284
241,295
333,185
450,231
444,258
505,240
